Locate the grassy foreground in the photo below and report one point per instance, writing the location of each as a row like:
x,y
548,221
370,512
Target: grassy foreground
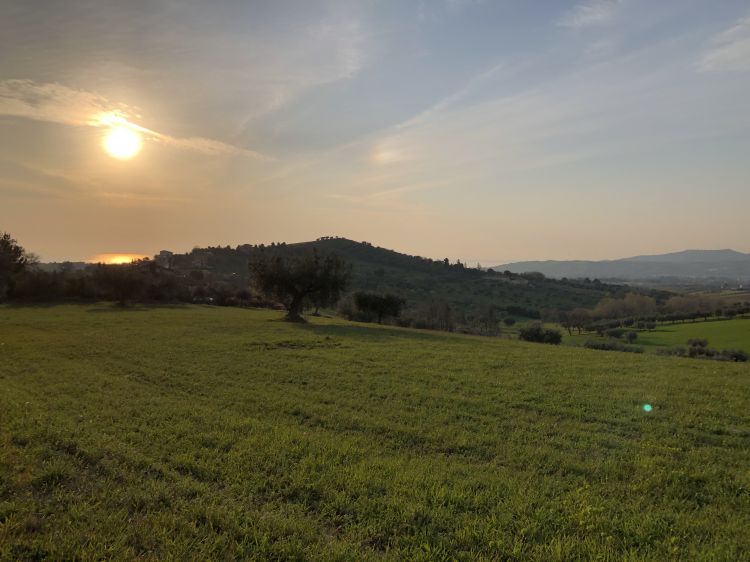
x,y
205,433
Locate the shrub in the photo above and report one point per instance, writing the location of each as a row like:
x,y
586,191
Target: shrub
x,y
672,351
612,345
615,332
537,333
734,355
698,342
509,321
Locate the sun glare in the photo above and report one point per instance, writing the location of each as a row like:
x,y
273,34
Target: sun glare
x,y
122,143
117,259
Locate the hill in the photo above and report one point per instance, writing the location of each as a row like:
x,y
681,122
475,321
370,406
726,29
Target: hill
x,y
423,282
209,433
718,265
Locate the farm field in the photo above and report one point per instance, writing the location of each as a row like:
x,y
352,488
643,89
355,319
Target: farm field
x,y
721,334
196,433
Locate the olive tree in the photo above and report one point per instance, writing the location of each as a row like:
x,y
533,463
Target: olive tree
x,y
293,279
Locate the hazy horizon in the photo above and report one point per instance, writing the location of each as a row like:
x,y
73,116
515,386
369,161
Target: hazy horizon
x,y
120,256
485,131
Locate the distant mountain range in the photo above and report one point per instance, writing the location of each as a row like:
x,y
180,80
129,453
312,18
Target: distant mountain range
x,y
728,265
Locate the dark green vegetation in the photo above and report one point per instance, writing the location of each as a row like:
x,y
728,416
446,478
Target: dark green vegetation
x,y
535,332
720,335
474,296
221,433
433,294
295,280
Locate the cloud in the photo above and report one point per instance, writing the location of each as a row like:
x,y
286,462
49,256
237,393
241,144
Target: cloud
x,y
342,41
590,13
56,103
729,51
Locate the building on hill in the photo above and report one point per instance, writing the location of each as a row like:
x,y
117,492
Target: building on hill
x,y
164,259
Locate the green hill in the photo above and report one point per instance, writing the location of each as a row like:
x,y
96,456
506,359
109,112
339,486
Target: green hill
x,y
222,433
470,292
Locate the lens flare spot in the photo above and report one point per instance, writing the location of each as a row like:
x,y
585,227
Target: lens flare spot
x,y
647,407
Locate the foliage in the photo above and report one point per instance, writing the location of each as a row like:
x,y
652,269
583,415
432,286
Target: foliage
x,y
422,282
612,345
13,261
292,279
121,283
735,355
535,332
379,306
631,305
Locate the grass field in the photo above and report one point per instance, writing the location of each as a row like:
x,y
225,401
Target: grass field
x,y
194,433
721,334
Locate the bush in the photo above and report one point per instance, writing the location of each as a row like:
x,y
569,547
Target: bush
x,y
615,333
672,351
537,333
734,355
612,345
509,321
698,342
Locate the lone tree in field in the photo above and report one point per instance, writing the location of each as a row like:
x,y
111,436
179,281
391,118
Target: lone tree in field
x,y
379,306
293,279
13,261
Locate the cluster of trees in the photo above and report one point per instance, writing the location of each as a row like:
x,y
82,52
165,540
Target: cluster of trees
x,y
639,311
21,279
374,305
698,349
535,332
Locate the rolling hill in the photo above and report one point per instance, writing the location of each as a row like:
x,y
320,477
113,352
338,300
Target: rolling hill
x,y
470,292
726,265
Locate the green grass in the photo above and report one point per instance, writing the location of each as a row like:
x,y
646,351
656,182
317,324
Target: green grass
x,y
721,334
203,433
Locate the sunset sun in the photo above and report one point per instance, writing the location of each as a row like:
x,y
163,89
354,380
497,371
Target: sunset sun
x,y
122,143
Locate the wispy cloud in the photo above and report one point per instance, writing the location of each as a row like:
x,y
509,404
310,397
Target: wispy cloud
x,y
590,13
729,50
57,103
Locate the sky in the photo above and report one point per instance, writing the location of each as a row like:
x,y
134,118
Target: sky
x,y
489,131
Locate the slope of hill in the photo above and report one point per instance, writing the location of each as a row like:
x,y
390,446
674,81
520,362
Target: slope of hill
x,y
468,291
206,433
691,264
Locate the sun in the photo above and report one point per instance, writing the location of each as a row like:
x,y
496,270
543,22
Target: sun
x,y
122,143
